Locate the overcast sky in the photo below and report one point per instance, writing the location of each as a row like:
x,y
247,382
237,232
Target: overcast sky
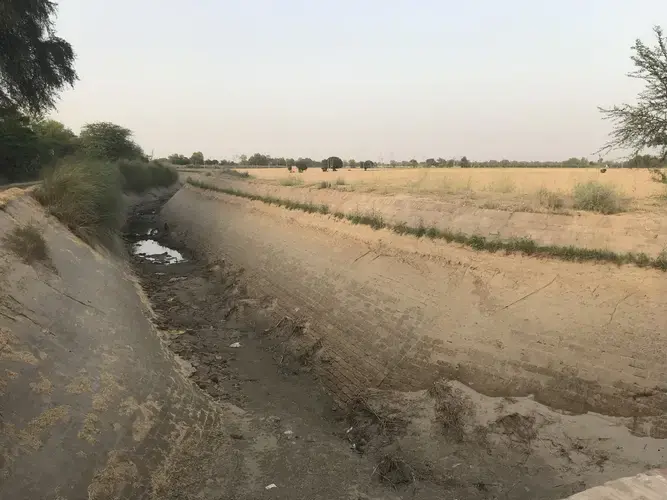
x,y
391,79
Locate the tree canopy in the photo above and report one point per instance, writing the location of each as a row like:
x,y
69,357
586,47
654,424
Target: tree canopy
x,y
20,148
57,140
643,125
334,163
197,158
108,141
35,64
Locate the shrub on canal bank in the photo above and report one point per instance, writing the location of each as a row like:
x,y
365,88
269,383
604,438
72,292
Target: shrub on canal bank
x,y
87,195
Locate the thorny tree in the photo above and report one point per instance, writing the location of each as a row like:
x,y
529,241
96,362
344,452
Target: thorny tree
x,y
643,125
34,63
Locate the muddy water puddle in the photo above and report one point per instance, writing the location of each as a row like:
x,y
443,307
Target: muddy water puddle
x,y
447,442
153,251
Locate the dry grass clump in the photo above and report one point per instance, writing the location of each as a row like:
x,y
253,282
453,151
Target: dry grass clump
x,y
454,410
597,197
550,199
291,181
27,243
86,196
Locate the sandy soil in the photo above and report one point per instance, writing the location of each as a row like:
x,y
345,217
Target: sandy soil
x,y
446,440
506,188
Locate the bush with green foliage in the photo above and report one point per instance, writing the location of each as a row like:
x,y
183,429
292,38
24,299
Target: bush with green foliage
x,y
235,173
140,176
86,196
108,142
596,197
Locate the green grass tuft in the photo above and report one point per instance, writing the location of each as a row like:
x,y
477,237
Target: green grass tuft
x,y
291,181
235,173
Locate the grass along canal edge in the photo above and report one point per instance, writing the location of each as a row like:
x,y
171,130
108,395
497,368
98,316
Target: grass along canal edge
x,y
523,246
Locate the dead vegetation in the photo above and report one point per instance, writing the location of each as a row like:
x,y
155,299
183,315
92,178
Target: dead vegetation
x,y
519,429
394,470
454,411
27,243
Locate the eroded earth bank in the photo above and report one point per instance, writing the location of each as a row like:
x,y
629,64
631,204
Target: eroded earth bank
x,y
390,328
293,356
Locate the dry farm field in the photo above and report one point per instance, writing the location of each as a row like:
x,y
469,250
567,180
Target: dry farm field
x,y
616,211
522,189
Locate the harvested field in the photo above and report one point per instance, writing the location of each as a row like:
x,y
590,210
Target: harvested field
x,y
521,189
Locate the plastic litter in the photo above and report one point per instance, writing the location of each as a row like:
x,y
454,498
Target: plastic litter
x,y
235,344
270,486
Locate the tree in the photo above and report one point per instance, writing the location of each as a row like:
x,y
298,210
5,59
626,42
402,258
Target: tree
x,y
57,141
109,142
367,164
302,164
259,159
465,162
334,163
243,159
20,147
178,159
35,64
430,162
197,158
643,125
352,162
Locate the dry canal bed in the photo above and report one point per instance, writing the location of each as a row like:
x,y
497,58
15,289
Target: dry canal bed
x,y
445,442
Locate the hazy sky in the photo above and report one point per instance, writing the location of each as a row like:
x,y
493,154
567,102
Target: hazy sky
x,y
391,79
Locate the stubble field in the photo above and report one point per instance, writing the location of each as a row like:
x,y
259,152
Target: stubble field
x,y
521,189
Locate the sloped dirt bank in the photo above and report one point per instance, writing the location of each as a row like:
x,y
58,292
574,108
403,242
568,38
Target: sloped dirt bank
x,y
443,441
396,312
92,405
384,445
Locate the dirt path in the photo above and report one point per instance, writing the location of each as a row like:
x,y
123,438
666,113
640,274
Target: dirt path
x,y
449,442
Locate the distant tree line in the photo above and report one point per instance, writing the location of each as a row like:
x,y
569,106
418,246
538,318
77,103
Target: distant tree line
x,y
334,162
